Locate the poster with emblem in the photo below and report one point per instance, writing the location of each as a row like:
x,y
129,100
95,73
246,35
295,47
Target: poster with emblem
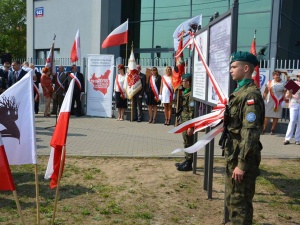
x,y
100,85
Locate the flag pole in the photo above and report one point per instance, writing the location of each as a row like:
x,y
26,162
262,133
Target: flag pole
x,y
37,194
126,48
132,99
62,159
18,206
52,55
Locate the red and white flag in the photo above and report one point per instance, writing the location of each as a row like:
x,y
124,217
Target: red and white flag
x,y
17,123
117,37
59,138
75,52
50,59
7,182
255,75
132,83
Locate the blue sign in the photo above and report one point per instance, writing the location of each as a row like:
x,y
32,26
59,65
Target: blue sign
x,y
39,12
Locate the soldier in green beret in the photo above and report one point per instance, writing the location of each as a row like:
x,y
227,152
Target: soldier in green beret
x,y
187,113
243,146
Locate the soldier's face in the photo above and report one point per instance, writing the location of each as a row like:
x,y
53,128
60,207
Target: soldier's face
x,y
237,70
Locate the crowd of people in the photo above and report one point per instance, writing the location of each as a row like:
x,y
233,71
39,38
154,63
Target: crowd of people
x,y
156,90
54,85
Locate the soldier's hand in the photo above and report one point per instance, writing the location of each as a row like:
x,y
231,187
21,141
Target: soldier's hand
x,y
190,131
238,174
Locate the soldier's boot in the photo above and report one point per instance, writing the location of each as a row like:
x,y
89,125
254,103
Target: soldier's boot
x,y
187,166
181,163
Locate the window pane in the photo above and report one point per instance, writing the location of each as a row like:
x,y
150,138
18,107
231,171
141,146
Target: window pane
x,y
146,35
170,9
146,10
257,5
163,32
248,23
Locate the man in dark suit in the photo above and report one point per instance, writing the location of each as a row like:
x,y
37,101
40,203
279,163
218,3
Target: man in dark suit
x,y
36,80
59,80
138,97
17,74
2,82
78,91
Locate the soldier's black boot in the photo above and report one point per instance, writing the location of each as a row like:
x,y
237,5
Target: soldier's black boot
x,y
186,166
180,163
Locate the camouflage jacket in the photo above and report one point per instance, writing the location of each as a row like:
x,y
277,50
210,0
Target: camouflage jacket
x,y
246,118
187,107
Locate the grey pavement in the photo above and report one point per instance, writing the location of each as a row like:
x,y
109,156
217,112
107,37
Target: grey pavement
x,y
107,137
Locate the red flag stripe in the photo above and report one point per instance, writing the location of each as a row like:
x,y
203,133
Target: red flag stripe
x,y
7,182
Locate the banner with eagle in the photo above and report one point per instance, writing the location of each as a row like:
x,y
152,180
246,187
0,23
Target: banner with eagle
x,y
17,122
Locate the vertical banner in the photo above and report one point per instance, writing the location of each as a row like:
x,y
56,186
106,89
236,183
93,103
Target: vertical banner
x,y
200,77
100,85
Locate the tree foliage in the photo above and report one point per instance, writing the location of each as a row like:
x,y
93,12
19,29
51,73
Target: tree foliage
x,y
13,27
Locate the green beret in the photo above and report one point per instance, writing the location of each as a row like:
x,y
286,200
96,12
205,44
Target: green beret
x,y
244,56
187,76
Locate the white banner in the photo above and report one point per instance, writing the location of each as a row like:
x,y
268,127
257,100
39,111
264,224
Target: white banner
x,y
100,85
17,122
188,25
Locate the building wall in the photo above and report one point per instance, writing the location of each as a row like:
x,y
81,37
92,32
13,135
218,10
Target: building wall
x,y
63,18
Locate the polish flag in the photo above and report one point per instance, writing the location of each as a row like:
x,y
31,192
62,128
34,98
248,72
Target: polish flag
x,y
50,59
75,52
59,138
118,36
7,182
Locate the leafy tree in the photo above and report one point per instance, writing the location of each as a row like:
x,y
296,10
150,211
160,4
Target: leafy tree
x,y
13,27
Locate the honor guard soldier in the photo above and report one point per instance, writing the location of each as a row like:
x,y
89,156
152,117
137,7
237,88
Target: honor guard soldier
x,y
185,113
243,147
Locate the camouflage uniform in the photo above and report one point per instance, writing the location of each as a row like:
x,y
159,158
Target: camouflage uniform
x,y
242,150
187,114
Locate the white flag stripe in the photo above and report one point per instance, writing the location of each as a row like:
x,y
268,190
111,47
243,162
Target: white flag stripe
x,y
66,105
120,29
22,149
77,40
50,169
202,142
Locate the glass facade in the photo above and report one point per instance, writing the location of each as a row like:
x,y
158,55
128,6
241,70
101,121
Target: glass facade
x,y
155,21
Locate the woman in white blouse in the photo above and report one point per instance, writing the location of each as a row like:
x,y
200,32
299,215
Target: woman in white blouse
x,y
120,94
167,94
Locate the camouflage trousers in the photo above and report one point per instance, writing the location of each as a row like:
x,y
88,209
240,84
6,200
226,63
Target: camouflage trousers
x,y
187,142
239,196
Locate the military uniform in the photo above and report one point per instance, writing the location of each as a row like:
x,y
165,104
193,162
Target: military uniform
x,y
187,113
243,149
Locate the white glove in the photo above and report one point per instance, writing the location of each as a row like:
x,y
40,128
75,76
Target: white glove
x,y
174,96
159,97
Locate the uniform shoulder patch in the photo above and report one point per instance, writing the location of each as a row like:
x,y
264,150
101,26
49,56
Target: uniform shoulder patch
x,y
251,117
250,102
